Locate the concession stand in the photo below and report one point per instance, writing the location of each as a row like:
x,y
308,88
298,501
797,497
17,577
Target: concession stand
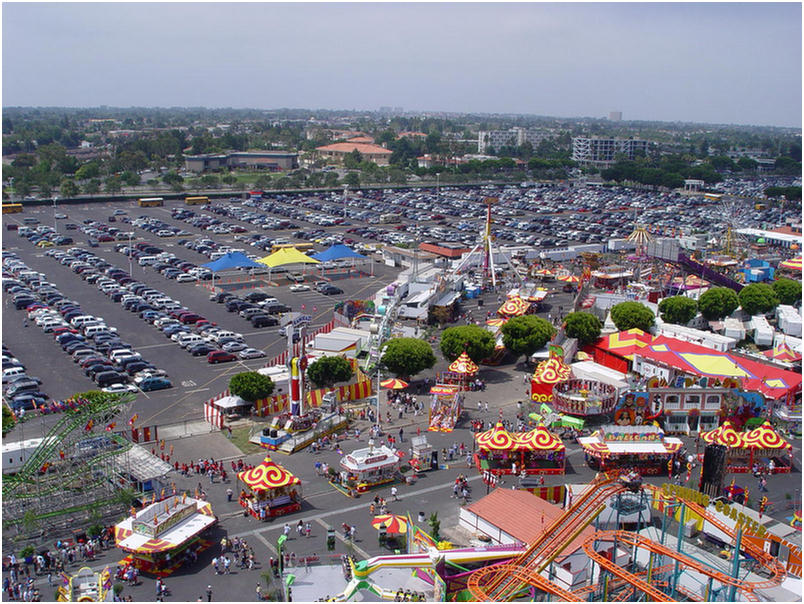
x,y
757,446
535,452
644,449
368,468
158,537
459,372
269,490
446,406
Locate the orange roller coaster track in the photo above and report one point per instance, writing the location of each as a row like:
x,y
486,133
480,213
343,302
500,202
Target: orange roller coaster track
x,y
500,583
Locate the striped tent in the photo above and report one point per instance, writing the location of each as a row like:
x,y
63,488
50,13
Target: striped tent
x,y
463,365
792,264
514,307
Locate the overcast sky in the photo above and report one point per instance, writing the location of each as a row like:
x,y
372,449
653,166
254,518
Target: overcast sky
x,y
721,63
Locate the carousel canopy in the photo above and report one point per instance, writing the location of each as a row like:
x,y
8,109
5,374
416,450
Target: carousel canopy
x,y
267,476
514,307
764,437
463,364
539,439
552,371
496,439
724,435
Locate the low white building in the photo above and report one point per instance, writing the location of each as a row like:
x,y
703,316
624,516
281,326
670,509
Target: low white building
x,y
789,320
695,336
733,328
589,370
762,331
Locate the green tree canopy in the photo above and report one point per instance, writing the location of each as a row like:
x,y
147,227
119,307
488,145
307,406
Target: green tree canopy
x,y
68,188
678,309
327,371
406,357
478,342
251,386
787,291
583,326
630,315
718,302
758,298
526,334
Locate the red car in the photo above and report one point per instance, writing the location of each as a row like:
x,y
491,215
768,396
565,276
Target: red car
x,y
190,318
220,356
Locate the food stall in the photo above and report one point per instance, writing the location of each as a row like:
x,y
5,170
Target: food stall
x,y
269,490
644,449
422,458
459,372
535,452
365,469
542,451
158,536
446,405
744,449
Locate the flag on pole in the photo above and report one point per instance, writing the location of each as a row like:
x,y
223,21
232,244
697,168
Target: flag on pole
x,y
89,425
133,419
111,426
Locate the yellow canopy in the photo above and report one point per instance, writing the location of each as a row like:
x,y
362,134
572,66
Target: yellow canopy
x,y
286,256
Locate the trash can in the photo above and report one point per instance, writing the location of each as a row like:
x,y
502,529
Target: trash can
x,y
421,517
382,536
330,539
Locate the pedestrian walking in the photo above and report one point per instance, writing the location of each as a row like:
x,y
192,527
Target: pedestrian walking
x,y
372,509
486,405
300,528
393,493
209,593
286,530
401,435
229,494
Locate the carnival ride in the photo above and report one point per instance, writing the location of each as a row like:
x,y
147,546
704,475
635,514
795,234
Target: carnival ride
x,y
509,580
74,471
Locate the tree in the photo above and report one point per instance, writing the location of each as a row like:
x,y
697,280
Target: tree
x,y
8,420
352,160
630,315
583,326
718,302
229,179
327,371
758,298
130,178
407,356
88,170
251,386
113,184
92,186
787,291
678,309
68,188
352,179
172,178
476,341
527,334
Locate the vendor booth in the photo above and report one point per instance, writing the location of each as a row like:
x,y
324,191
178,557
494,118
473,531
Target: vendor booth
x,y
365,469
158,537
535,452
644,449
548,373
759,446
446,405
269,490
459,373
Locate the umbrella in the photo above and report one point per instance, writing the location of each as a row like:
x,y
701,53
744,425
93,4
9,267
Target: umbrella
x,y
394,524
569,279
543,272
496,322
394,384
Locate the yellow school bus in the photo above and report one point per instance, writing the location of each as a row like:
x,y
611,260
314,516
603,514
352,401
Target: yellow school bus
x,y
150,202
196,201
12,208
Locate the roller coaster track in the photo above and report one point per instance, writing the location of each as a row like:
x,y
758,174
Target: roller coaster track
x,y
504,582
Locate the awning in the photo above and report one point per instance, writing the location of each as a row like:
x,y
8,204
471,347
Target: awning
x,y
140,464
443,390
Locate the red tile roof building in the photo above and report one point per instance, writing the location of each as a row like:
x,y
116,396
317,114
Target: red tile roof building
x,y
337,151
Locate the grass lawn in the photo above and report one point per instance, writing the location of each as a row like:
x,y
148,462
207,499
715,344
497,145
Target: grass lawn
x,y
240,440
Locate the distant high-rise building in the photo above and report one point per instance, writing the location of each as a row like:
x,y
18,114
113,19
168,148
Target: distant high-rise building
x,y
602,151
514,137
615,116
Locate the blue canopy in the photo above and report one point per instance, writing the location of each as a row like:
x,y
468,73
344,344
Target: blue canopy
x,y
336,251
231,260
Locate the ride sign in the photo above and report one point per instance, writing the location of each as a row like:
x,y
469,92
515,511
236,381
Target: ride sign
x,y
302,319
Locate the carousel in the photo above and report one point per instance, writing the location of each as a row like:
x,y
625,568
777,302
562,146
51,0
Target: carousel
x,y
548,373
759,446
269,490
446,406
365,469
584,397
158,537
644,449
537,451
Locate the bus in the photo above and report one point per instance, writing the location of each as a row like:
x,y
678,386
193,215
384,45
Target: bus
x,y
150,202
196,201
302,247
386,218
12,208
255,195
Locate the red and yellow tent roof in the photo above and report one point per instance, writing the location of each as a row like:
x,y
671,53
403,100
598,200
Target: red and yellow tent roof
x,y
764,437
625,343
496,439
514,307
552,371
724,435
463,364
783,353
267,476
793,264
539,439
127,540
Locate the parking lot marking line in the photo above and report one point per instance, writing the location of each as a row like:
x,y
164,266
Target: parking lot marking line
x,y
197,390
267,543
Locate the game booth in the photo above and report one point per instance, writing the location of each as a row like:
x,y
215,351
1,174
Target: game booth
x,y
757,446
365,469
446,405
158,537
269,490
548,373
537,451
644,449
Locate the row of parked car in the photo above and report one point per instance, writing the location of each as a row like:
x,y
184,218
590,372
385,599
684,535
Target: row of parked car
x,y
165,263
158,227
260,309
21,390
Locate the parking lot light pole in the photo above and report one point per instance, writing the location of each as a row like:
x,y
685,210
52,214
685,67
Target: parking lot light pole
x,y
345,194
130,256
55,227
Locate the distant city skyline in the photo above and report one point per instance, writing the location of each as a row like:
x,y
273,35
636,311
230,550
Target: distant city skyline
x,y
720,63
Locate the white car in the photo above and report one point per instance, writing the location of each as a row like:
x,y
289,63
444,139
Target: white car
x,y
186,277
121,388
299,287
250,353
234,346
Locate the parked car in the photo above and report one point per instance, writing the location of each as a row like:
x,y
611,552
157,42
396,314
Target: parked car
x,y
154,383
251,353
121,388
220,356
